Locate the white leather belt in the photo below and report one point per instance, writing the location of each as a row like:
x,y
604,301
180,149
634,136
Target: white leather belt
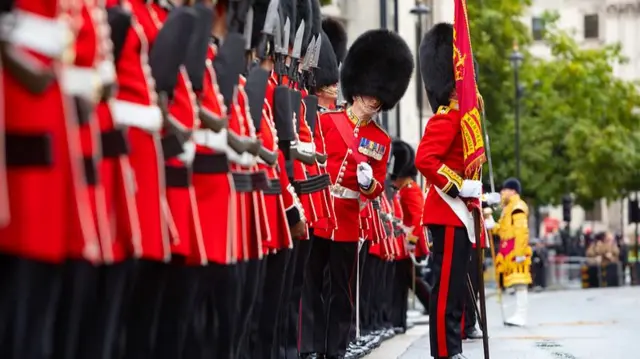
x,y
342,192
81,81
145,117
47,36
211,140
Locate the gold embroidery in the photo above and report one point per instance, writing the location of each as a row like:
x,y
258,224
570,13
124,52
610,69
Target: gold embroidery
x,y
453,177
372,188
443,110
473,140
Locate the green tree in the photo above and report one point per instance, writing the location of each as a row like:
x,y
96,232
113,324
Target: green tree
x,y
579,126
579,132
495,26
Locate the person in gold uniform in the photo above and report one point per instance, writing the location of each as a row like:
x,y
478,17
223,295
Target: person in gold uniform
x,y
513,259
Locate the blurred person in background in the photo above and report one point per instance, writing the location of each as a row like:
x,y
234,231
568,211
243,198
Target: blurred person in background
x,y
604,250
539,261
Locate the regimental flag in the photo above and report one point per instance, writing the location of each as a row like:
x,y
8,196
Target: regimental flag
x,y
467,92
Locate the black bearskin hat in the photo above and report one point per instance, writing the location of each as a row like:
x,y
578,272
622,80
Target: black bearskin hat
x,y
305,12
436,64
316,18
296,11
327,73
259,16
338,37
378,64
289,9
403,160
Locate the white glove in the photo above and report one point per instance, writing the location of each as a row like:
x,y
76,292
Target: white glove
x,y
489,223
493,198
365,174
520,259
471,189
189,152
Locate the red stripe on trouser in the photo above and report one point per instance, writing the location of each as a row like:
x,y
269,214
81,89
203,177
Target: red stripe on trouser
x,y
443,292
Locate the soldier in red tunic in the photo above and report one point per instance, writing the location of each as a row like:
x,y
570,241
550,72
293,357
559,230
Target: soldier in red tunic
x,y
83,83
187,247
101,321
358,150
440,158
326,76
410,199
48,197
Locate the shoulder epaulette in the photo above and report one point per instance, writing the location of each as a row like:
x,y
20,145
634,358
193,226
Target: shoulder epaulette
x,y
443,110
381,128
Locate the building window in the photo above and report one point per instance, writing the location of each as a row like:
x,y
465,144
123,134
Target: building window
x,y
591,28
537,28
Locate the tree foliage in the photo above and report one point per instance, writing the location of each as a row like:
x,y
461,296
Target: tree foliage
x,y
580,131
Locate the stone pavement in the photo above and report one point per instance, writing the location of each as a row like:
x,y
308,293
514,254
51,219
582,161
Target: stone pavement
x,y
578,324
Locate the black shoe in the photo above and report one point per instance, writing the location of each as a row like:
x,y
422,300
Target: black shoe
x,y
399,330
473,333
310,356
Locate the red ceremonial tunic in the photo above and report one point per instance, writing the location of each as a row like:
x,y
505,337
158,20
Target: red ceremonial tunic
x,y
342,164
318,203
300,174
186,240
48,200
400,240
411,200
81,81
135,106
220,229
329,222
116,174
440,159
256,209
274,203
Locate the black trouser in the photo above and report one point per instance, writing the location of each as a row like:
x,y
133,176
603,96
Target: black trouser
x,y
386,293
143,308
367,292
422,289
450,255
103,320
362,261
539,274
253,337
78,277
340,257
400,292
251,284
215,318
269,305
291,310
314,297
375,268
30,294
470,317
176,309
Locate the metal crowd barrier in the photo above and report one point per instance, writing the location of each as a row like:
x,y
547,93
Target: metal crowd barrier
x,y
564,272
